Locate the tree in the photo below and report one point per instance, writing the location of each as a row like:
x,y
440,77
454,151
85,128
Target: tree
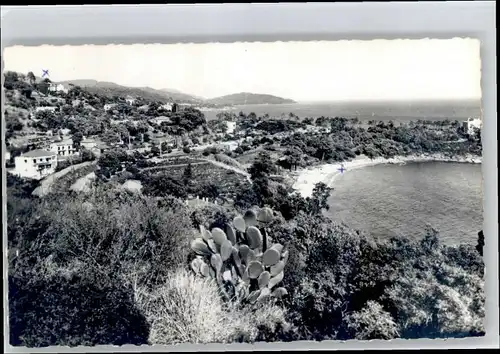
x,y
77,139
111,162
31,78
294,157
187,176
319,198
43,86
263,166
12,123
210,191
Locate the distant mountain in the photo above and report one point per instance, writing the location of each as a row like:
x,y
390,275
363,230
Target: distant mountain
x,y
248,98
111,89
174,91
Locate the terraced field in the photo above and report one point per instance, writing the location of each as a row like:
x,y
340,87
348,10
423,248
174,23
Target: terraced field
x,y
228,181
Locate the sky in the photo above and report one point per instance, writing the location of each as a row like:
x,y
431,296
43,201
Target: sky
x,y
302,71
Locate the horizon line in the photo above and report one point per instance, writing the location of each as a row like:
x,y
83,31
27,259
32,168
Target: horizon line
x,y
297,101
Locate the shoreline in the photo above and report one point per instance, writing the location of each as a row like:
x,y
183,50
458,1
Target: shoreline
x,y
327,173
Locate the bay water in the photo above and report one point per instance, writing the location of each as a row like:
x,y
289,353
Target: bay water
x,y
390,199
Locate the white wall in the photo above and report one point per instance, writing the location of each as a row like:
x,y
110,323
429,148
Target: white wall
x,y
63,149
471,124
27,167
231,126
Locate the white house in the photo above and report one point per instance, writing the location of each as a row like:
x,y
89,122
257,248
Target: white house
x,y
35,164
88,143
58,88
130,100
109,106
166,107
99,149
63,148
471,124
228,145
159,120
231,126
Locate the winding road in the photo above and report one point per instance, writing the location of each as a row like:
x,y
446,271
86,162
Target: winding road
x,y
46,184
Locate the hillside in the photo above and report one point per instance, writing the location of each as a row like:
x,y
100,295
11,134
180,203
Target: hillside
x,y
248,98
111,89
177,92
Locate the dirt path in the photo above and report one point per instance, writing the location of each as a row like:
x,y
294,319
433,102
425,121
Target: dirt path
x,y
47,182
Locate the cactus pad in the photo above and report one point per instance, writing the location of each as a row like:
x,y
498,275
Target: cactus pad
x,y
250,218
278,247
277,268
250,256
244,249
200,247
196,264
265,215
254,237
255,268
216,262
231,234
219,236
226,250
270,257
204,269
263,279
205,234
245,277
275,280
212,246
239,224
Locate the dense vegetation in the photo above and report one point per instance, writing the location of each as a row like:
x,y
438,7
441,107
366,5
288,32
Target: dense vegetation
x,y
118,262
114,266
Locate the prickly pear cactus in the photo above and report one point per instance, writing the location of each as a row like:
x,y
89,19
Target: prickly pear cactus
x,y
246,267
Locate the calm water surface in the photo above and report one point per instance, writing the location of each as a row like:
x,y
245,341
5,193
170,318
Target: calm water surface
x,y
396,111
388,200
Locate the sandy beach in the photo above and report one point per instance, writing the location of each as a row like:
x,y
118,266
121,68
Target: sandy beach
x,y
308,177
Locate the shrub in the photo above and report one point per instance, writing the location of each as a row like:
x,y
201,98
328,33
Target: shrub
x,y
372,322
341,280
189,309
71,308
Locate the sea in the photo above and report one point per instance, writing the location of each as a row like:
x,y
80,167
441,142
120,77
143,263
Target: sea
x,y
402,200
389,200
397,111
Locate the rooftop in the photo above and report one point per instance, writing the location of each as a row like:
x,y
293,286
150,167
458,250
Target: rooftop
x,y
39,153
64,142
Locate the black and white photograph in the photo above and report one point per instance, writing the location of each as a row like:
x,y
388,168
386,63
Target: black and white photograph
x,y
160,194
